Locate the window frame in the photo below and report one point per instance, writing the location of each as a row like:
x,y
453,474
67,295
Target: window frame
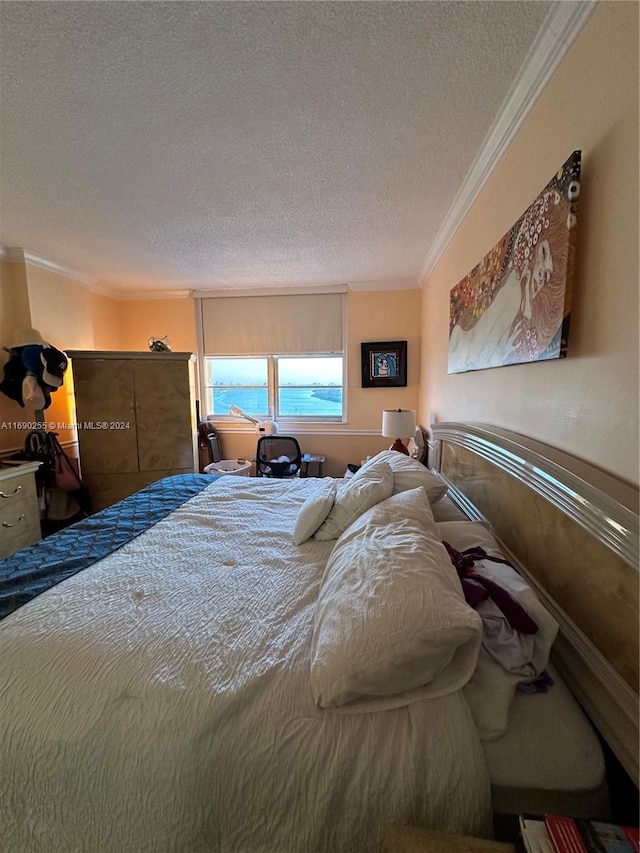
x,y
273,389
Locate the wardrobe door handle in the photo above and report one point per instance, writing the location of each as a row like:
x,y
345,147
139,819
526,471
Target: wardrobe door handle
x,y
12,495
15,523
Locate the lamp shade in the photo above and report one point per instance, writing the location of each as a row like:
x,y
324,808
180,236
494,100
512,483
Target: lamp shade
x,y
398,423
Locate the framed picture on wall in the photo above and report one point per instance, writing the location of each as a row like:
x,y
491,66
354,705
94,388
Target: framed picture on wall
x,y
384,364
514,306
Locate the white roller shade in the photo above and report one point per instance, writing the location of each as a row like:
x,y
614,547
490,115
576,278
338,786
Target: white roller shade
x,y
259,325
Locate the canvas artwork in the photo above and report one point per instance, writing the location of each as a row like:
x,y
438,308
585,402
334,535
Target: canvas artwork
x,y
515,305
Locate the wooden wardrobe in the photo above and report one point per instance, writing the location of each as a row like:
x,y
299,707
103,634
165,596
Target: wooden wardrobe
x,y
136,419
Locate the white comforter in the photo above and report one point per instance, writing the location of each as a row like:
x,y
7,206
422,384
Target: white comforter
x,y
160,701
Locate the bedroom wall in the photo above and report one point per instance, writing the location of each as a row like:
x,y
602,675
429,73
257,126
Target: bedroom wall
x,y
141,319
14,314
105,318
586,404
61,310
72,316
371,316
57,306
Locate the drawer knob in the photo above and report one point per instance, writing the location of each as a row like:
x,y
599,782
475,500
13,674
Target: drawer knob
x,y
11,494
15,523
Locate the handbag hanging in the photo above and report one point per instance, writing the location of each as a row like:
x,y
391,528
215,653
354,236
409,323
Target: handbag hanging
x,y
66,473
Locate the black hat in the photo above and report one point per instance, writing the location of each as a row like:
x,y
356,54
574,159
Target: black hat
x,y
55,364
14,373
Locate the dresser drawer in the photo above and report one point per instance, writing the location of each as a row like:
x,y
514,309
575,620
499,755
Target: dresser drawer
x,y
19,515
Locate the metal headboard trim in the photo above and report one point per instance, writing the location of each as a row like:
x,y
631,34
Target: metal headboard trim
x,y
610,522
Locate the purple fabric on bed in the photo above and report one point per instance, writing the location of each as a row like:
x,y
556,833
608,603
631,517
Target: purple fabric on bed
x,y
478,588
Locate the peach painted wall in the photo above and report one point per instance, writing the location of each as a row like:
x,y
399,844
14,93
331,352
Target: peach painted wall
x,y
371,316
14,301
386,315
14,315
142,319
73,317
58,307
105,313
61,310
586,404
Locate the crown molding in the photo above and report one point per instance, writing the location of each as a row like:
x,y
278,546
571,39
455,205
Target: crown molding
x,y
103,290
562,25
12,255
286,290
17,255
44,264
396,284
145,295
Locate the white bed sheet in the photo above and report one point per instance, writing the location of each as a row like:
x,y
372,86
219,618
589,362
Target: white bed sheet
x,y
160,701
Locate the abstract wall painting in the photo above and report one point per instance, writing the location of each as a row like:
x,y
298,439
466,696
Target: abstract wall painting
x,y
515,305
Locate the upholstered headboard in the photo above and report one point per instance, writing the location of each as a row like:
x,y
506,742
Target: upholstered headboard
x,y
573,531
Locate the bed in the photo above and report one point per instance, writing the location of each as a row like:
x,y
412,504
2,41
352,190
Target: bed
x,y
268,666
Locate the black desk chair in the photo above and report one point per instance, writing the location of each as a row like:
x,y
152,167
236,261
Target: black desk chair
x,y
278,456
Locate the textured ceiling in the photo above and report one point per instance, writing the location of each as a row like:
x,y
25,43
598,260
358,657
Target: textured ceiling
x,y
166,145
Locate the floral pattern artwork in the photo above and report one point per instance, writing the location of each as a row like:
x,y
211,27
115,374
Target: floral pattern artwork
x,y
515,305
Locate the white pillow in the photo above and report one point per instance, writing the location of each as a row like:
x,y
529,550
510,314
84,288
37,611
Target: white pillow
x,y
447,510
314,511
408,473
391,623
492,689
463,534
367,487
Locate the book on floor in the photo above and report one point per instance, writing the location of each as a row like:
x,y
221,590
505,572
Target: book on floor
x,y
535,835
578,835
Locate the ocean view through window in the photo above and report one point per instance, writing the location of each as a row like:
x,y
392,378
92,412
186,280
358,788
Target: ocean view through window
x,y
296,387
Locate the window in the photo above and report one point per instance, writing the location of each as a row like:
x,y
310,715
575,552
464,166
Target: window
x,y
241,382
279,387
309,387
277,356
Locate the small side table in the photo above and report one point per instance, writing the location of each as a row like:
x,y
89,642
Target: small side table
x,y
307,459
408,839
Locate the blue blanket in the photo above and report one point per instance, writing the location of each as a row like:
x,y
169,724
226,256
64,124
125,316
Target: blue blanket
x,y
33,570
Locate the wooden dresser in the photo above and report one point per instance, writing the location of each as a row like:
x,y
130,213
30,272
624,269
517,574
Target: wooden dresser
x,y
19,514
136,419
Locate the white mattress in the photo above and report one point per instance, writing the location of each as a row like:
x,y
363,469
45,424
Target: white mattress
x,y
550,759
160,701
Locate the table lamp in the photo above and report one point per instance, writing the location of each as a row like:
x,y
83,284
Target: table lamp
x,y
398,422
